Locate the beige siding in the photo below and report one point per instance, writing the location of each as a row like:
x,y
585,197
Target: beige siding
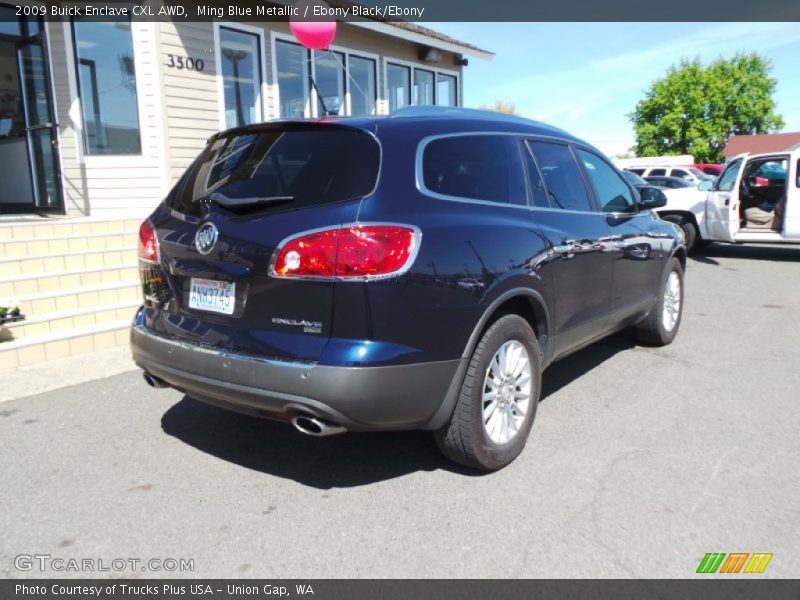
x,y
110,186
190,98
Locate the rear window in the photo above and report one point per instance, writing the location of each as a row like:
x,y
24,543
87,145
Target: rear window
x,y
279,170
475,167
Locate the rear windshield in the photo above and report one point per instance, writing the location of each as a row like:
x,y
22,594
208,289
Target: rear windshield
x,y
279,170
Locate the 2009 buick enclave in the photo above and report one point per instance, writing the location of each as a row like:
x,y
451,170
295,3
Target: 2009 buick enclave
x,y
416,271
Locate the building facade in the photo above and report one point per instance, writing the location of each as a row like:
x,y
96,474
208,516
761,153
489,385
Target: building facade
x,y
100,118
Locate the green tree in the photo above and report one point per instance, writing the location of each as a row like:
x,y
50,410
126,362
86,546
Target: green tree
x,y
696,109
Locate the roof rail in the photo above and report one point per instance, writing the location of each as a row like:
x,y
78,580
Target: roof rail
x,y
466,113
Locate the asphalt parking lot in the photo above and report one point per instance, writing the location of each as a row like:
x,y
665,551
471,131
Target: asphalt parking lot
x,y
641,461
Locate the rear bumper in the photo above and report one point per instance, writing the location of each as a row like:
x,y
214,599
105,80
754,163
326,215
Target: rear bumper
x,y
359,398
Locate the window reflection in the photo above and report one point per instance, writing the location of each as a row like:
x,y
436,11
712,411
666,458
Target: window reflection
x,y
107,86
329,78
291,60
399,86
241,75
363,90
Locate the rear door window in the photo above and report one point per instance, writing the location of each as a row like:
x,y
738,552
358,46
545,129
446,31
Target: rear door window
x,y
277,170
565,187
475,167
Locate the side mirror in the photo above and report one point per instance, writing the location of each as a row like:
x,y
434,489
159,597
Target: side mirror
x,y
705,185
652,197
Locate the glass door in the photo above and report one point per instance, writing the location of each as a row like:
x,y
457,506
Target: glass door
x,y
40,129
29,161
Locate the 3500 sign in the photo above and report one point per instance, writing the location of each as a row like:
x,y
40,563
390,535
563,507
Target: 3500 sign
x,y
185,62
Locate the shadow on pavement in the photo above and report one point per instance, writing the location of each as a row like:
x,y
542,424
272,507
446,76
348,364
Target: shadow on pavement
x,y
348,460
575,366
776,252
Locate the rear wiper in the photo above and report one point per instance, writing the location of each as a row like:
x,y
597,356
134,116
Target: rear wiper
x,y
227,202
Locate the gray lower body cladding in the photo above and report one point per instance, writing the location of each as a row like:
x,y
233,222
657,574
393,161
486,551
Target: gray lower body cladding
x,y
359,398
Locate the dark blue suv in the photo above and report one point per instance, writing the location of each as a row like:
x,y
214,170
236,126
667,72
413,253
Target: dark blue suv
x,y
416,271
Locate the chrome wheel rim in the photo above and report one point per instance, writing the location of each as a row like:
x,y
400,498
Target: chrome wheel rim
x,y
672,302
507,392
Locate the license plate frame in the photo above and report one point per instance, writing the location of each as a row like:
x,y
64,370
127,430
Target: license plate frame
x,y
212,295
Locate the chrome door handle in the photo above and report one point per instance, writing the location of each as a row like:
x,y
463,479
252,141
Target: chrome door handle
x,y
565,249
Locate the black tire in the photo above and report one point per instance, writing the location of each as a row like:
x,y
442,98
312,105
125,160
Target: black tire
x,y
653,330
465,439
689,229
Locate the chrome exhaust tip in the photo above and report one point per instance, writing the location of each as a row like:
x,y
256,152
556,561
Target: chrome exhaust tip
x,y
317,427
153,381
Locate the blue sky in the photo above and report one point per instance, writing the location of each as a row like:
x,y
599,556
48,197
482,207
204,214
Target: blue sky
x,y
586,77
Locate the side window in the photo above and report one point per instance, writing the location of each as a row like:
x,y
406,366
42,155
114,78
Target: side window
x,y
538,192
613,194
680,173
475,167
658,172
728,178
562,177
637,171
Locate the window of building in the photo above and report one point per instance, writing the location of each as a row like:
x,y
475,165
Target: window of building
x,y
408,84
561,176
398,85
329,77
362,84
240,61
613,194
476,167
292,64
446,90
338,74
423,86
107,87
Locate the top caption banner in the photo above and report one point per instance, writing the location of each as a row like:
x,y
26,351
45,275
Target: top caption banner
x,y
413,11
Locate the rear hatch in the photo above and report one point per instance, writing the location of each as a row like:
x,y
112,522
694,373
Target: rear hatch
x,y
217,231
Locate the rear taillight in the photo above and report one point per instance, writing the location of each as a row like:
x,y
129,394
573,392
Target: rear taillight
x,y
148,244
347,252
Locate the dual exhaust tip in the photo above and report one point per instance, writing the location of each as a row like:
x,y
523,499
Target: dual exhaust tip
x,y
306,424
315,426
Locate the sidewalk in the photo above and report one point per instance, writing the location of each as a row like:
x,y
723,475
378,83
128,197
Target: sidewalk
x,y
47,376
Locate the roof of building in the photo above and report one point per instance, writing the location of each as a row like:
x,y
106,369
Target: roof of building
x,y
389,27
761,143
436,35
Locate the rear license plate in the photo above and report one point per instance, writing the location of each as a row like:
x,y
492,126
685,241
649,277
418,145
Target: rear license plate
x,y
212,295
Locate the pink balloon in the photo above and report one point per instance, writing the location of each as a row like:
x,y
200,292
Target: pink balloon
x,y
316,35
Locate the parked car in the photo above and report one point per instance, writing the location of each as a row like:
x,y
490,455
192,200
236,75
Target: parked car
x,y
672,183
710,169
756,199
417,271
696,176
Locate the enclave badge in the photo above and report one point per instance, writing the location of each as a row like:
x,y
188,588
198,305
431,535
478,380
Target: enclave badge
x,y
205,238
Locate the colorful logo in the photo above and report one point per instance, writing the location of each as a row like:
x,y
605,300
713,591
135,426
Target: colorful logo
x,y
716,562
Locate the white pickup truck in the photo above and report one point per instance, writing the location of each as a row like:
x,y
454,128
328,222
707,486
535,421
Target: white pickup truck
x,y
755,199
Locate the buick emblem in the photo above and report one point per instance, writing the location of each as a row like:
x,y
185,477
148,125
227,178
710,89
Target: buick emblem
x,y
205,238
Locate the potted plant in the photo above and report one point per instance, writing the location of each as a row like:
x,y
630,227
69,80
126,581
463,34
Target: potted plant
x,y
9,312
